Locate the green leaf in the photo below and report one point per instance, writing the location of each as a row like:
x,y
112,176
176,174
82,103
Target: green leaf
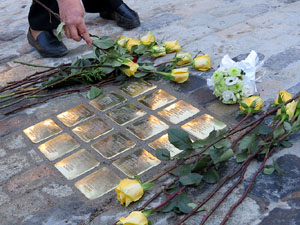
x,y
247,141
200,143
180,139
191,179
286,143
59,30
211,176
296,124
163,154
93,92
147,212
193,205
221,156
277,168
241,157
223,144
264,129
287,126
104,43
140,49
170,206
184,207
147,67
201,164
269,170
147,185
182,170
278,132
106,70
245,106
140,74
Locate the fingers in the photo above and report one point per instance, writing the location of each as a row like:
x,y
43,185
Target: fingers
x,y
84,33
74,33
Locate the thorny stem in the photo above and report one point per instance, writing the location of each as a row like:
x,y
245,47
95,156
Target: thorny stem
x,y
169,198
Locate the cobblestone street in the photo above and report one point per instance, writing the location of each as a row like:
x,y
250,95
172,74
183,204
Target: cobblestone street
x,y
33,191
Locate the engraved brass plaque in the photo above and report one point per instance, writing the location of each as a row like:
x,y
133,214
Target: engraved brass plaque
x,y
92,129
178,112
75,115
98,183
126,114
201,126
76,164
157,99
107,101
136,163
148,127
137,88
163,142
42,130
113,145
58,146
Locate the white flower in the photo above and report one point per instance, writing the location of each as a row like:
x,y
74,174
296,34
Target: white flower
x,y
248,89
228,95
231,81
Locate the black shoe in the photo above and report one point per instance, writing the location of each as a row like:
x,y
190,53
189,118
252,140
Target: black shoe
x,y
47,44
124,17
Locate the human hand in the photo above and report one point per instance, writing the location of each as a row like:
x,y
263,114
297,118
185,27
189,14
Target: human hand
x,y
71,13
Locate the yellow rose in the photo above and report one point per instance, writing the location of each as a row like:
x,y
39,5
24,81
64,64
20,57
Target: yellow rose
x,y
183,58
291,108
122,41
158,51
129,191
134,218
132,42
180,75
148,39
132,68
202,62
285,96
172,46
250,100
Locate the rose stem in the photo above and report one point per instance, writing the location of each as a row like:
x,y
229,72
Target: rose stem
x,y
169,198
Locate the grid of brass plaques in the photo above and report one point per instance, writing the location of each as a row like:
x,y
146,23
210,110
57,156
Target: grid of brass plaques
x,y
77,164
92,129
136,163
201,126
43,130
113,145
157,99
58,146
107,101
137,88
75,115
163,142
126,114
178,112
148,127
98,183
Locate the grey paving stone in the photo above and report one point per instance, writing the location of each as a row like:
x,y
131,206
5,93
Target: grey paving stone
x,y
283,59
57,190
282,217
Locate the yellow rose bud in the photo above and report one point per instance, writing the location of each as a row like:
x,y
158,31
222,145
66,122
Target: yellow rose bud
x,y
158,51
202,62
122,41
134,218
250,100
129,191
180,75
148,39
291,108
172,46
285,96
183,58
132,68
132,42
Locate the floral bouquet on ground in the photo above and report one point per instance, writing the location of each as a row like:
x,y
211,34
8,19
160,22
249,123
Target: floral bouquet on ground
x,y
234,81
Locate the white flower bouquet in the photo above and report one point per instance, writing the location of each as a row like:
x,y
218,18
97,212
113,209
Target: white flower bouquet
x,y
234,81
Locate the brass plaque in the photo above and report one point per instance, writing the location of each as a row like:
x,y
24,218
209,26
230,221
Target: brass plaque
x,y
137,88
178,112
107,101
58,146
98,183
92,129
157,99
77,164
113,145
42,130
201,126
136,163
75,115
126,114
163,142
148,127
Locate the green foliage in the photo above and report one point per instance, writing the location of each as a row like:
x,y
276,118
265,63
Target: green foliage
x,y
180,204
180,139
278,132
163,154
104,42
59,30
191,179
211,176
93,92
221,155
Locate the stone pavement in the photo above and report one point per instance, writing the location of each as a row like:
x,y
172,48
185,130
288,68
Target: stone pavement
x,y
33,191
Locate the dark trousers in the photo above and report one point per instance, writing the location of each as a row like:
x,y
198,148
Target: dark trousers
x,y
40,19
